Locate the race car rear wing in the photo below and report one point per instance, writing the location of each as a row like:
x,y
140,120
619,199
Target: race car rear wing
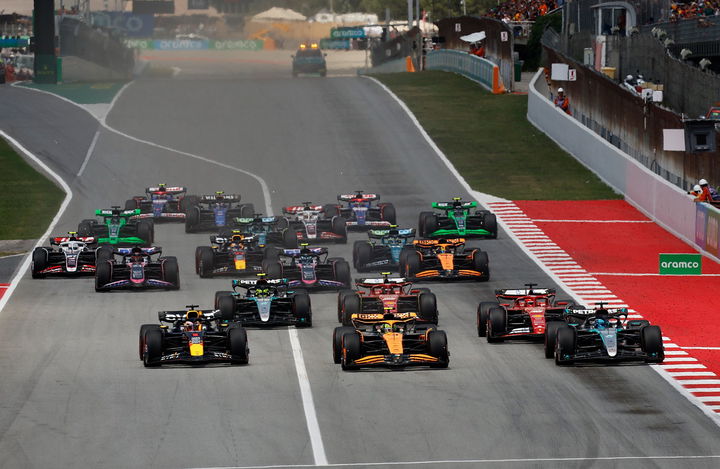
x,y
222,240
358,195
451,205
174,316
438,242
109,212
297,252
382,281
230,198
55,241
592,312
511,293
379,234
147,251
167,190
293,209
249,283
264,220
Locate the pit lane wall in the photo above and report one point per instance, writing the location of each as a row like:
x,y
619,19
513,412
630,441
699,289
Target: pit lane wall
x,y
476,68
669,206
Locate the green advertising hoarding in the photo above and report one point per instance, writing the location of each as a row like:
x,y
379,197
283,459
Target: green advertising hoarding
x,y
680,264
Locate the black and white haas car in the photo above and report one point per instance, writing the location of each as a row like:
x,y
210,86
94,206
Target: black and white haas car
x,y
162,203
360,212
192,337
68,255
135,268
310,268
315,223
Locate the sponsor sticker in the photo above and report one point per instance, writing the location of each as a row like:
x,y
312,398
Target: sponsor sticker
x,y
680,264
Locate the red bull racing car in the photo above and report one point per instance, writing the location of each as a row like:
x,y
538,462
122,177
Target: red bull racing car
x,y
162,203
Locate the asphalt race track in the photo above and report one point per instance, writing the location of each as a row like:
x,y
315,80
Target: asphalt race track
x,y
74,394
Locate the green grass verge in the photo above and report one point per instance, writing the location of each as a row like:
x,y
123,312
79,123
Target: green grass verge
x,y
490,141
29,200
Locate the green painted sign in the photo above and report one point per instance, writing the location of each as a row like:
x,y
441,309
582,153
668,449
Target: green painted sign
x,y
250,44
680,264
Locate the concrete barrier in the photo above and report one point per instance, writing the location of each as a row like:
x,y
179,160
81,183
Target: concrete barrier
x,y
660,200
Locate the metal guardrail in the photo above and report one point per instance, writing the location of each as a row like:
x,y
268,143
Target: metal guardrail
x,y
473,67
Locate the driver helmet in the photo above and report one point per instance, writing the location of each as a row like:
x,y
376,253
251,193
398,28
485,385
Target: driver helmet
x,y
162,188
137,254
262,291
385,328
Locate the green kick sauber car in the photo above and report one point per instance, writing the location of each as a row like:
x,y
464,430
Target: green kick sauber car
x,y
458,219
118,228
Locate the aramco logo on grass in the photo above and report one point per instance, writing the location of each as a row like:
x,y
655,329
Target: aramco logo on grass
x,y
680,264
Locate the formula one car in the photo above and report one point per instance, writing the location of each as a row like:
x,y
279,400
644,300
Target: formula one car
x,y
316,223
212,212
75,255
193,337
602,335
310,268
520,312
390,343
136,268
118,228
383,250
383,296
267,230
456,220
236,255
162,203
360,212
309,60
264,303
445,259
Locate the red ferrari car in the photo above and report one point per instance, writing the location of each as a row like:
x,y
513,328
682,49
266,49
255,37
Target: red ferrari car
x,y
520,312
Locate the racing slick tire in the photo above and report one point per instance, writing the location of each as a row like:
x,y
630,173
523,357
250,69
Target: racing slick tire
x,y
411,265
340,301
39,262
171,272
143,329
192,218
362,253
204,261
85,228
131,204
271,253
339,227
103,275
421,222
483,310
350,351
496,324
338,334
238,346
218,294
551,337
387,213
565,345
427,307
273,270
352,304
103,254
403,254
342,272
652,344
153,347
187,202
481,263
490,224
282,223
145,230
226,305
438,348
331,210
290,239
302,310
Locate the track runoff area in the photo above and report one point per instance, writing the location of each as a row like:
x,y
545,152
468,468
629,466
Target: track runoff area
x,y
608,251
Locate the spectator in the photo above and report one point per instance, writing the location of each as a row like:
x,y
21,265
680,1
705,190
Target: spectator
x,y
696,191
712,194
562,101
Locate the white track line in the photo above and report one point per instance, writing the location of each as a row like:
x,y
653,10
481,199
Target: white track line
x,y
591,221
66,201
89,153
515,461
300,369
